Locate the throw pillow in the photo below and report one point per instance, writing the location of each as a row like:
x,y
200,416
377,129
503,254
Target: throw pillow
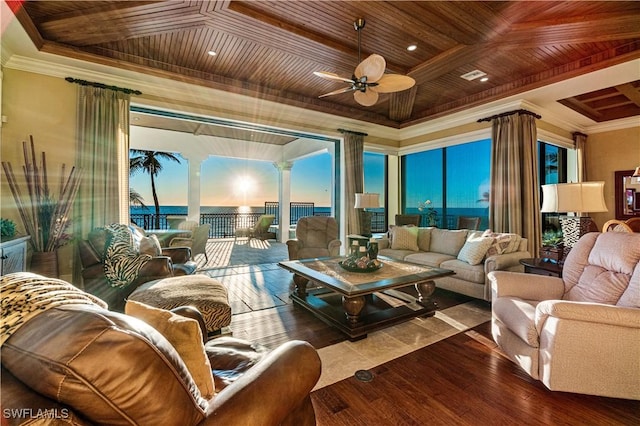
x,y
185,336
405,238
151,246
447,241
474,250
424,239
501,242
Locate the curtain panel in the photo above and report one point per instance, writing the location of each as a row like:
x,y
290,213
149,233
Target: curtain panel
x,y
515,189
354,177
580,143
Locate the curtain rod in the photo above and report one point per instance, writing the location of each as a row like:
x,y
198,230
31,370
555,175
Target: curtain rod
x,y
103,86
504,114
353,132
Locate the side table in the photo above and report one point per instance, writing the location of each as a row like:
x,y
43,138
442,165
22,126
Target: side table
x,y
539,266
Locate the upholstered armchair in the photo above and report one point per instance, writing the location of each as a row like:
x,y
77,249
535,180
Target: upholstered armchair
x,y
79,363
316,236
579,333
260,230
165,262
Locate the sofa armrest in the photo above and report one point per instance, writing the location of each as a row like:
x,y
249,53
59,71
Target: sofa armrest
x,y
160,266
525,286
177,254
270,390
588,312
505,262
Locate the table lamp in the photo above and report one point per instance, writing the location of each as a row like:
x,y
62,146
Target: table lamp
x,y
366,201
580,197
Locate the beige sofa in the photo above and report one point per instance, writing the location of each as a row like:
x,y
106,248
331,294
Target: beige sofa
x,y
470,254
579,333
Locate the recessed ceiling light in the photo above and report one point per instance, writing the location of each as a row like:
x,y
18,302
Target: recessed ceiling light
x,y
473,75
212,53
412,47
483,79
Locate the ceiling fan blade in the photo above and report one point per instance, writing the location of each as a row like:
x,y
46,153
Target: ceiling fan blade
x,y
394,83
373,68
332,76
367,98
337,92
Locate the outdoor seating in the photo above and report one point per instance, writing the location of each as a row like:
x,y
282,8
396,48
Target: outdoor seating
x,y
260,230
408,219
197,241
468,222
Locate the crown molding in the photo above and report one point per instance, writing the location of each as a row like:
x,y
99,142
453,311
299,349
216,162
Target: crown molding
x,y
623,123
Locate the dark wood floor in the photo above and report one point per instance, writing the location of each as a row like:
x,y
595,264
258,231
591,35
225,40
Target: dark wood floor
x,y
462,380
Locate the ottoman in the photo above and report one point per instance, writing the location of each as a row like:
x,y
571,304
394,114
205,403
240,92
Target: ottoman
x,y
204,293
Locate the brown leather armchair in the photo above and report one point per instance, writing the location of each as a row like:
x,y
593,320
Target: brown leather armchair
x,y
84,365
171,262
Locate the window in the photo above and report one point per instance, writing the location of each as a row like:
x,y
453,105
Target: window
x,y
375,178
552,161
454,179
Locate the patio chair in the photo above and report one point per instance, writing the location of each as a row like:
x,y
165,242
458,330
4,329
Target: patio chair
x,y
260,230
469,222
197,241
408,219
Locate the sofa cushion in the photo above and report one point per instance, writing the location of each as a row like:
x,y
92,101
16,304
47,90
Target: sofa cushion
x,y
631,296
447,241
610,265
404,238
424,239
395,254
151,246
474,250
114,369
185,336
465,271
428,258
519,316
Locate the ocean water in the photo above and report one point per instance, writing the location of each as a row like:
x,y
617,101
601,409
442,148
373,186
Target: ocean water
x,y
182,210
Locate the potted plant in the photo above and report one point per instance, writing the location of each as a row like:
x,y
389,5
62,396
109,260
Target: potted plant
x,y
7,229
432,214
552,246
45,216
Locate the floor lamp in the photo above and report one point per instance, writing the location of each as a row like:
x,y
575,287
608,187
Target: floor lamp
x,y
364,201
578,198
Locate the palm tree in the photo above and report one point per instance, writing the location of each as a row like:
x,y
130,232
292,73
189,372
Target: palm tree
x,y
150,162
135,199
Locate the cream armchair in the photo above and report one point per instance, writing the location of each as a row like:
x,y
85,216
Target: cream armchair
x,y
317,236
579,333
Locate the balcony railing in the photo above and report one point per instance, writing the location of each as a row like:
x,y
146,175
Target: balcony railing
x,y
223,225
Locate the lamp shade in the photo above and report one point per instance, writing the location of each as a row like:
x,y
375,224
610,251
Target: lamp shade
x,y
367,200
573,197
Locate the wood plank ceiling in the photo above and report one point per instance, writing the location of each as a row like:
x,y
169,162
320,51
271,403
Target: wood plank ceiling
x,y
270,49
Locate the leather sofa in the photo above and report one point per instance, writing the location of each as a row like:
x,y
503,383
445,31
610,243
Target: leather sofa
x,y
165,262
579,333
82,364
470,254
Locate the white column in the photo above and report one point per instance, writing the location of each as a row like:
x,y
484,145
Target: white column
x,y
284,197
193,192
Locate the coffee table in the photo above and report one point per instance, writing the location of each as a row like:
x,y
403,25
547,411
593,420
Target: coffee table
x,y
358,302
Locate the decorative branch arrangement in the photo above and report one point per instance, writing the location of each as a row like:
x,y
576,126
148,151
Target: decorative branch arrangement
x,y
45,218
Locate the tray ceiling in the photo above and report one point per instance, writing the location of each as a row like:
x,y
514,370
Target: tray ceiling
x,y
270,49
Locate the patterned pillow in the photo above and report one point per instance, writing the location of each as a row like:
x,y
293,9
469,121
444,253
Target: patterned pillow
x,y
404,238
502,242
185,336
475,249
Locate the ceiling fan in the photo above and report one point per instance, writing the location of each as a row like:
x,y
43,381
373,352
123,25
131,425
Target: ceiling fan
x,y
368,79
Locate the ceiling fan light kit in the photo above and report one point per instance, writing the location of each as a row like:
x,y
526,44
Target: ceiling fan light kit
x,y
368,79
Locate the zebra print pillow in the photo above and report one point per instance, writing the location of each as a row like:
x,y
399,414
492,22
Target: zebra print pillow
x,y
122,263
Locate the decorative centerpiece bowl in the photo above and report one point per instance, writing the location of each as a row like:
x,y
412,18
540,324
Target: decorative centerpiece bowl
x,y
353,266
